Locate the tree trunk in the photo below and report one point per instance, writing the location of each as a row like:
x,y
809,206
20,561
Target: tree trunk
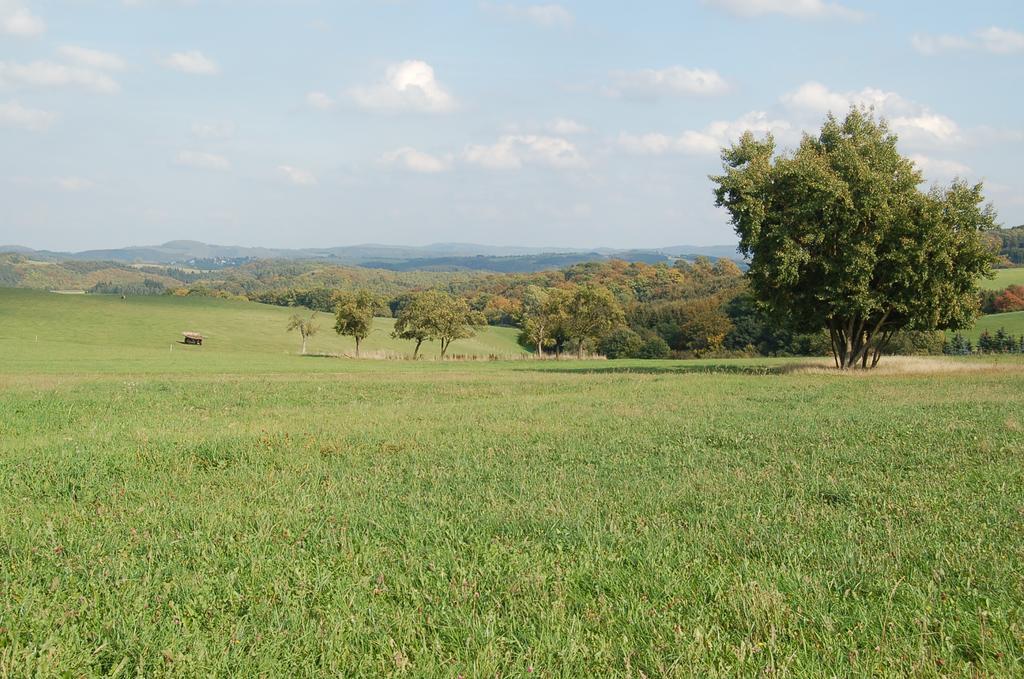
x,y
444,346
416,351
357,346
858,342
303,345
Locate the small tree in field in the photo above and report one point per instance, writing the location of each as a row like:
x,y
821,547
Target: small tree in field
x,y
591,312
353,315
839,237
438,316
452,319
307,327
413,323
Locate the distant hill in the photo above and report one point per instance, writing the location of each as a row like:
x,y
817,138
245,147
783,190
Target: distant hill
x,y
438,256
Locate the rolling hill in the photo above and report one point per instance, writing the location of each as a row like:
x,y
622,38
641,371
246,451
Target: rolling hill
x,y
1012,322
47,332
448,256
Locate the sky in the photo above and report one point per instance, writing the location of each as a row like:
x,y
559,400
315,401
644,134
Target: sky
x,y
316,123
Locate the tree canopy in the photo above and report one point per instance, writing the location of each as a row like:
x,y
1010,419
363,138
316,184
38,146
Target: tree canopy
x,y
436,315
590,313
353,314
840,237
306,325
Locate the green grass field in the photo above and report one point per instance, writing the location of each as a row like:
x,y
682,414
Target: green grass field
x,y
1004,278
247,512
1012,322
41,331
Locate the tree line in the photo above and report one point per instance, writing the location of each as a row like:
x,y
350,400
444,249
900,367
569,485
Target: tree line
x,y
428,315
845,253
999,342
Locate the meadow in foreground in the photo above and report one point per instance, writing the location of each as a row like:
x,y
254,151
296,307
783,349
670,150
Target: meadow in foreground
x,y
497,519
240,510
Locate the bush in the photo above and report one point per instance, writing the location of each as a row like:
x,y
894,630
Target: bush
x,y
1010,299
653,346
916,343
621,343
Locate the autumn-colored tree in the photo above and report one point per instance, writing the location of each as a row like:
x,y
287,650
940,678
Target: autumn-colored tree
x,y
840,237
1010,299
705,325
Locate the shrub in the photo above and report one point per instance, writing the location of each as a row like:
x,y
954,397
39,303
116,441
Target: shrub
x,y
653,346
621,343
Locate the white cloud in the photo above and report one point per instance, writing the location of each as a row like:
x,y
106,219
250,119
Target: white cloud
x,y
1001,40
915,123
926,127
319,100
74,184
803,9
203,161
13,114
565,126
992,39
298,176
409,85
15,19
92,58
937,169
673,80
417,161
51,74
194,62
543,15
816,98
515,150
912,121
708,141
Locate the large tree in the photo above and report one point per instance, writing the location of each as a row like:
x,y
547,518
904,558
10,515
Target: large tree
x,y
544,312
840,237
353,315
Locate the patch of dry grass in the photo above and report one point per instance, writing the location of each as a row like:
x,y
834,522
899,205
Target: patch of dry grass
x,y
903,365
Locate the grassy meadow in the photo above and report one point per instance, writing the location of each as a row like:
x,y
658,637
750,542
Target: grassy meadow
x,y
1004,278
47,332
1012,322
238,510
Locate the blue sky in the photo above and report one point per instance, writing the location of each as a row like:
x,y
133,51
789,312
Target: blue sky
x,y
316,123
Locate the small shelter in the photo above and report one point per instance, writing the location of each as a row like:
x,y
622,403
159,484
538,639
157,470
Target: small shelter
x,y
193,338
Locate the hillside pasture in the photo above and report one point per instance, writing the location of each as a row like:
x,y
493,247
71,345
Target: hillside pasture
x,y
46,332
1003,279
1012,322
